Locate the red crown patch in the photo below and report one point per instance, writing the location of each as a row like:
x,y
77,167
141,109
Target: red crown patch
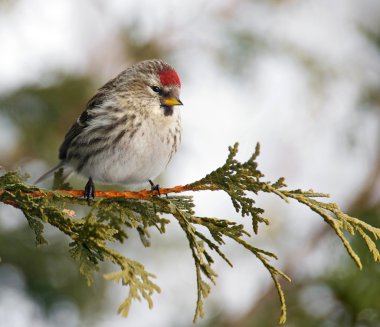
x,y
169,77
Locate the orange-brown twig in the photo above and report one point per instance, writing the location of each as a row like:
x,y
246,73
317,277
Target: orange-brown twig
x,y
142,194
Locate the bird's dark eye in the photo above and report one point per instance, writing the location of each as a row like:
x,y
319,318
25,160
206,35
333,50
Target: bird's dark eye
x,y
157,89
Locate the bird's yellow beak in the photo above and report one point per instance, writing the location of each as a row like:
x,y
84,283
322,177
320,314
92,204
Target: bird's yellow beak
x,y
171,101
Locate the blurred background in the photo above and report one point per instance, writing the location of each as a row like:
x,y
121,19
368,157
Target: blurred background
x,y
300,77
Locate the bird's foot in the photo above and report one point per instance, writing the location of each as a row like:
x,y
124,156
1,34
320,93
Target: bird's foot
x,y
154,187
89,190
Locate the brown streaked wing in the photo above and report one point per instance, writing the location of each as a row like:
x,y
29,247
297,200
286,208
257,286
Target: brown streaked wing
x,y
85,117
82,121
73,132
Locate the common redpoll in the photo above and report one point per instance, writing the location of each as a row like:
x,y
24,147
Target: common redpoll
x,y
129,131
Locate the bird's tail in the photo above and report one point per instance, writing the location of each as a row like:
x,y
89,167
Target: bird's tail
x,y
66,174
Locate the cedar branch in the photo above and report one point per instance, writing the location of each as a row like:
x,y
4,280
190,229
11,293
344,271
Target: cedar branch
x,y
108,219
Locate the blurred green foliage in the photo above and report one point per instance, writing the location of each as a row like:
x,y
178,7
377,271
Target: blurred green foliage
x,y
42,114
50,275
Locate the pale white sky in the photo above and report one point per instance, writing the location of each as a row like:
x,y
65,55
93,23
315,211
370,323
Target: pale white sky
x,y
303,123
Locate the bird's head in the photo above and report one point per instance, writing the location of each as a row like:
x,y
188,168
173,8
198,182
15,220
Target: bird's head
x,y
157,84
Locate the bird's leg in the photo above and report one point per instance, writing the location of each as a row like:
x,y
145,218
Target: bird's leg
x,y
154,187
89,190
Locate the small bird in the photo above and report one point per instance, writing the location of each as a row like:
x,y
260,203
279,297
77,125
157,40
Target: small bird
x,y
129,130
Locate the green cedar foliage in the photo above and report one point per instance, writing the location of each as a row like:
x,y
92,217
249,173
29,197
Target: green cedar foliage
x,y
109,220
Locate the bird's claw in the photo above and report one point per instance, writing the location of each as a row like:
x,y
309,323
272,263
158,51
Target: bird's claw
x,y
89,190
154,187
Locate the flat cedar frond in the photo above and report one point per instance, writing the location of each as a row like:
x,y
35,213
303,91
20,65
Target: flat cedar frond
x,y
114,214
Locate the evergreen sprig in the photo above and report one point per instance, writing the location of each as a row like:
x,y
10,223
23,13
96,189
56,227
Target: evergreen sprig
x,y
113,214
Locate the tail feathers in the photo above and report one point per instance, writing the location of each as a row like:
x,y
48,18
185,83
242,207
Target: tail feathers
x,y
66,174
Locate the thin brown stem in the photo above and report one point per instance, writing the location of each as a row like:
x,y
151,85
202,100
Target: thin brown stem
x,y
142,194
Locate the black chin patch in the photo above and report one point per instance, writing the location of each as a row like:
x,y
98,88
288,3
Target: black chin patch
x,y
168,110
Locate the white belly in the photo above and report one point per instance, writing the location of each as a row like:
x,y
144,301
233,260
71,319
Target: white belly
x,y
135,160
